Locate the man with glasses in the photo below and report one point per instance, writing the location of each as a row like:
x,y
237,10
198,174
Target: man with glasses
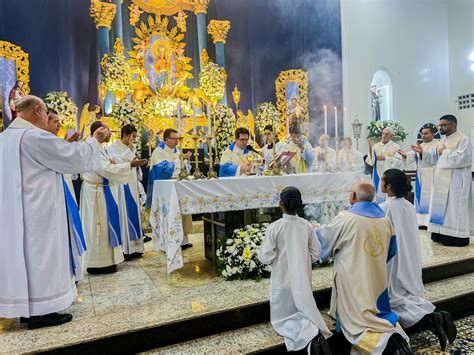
x,y
165,164
36,278
449,207
234,160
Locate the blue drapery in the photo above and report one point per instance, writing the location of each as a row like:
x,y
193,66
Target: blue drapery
x,y
267,36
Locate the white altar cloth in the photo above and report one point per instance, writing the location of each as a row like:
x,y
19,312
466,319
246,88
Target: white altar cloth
x,y
172,198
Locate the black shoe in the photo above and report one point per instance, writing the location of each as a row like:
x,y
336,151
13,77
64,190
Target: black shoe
x,y
137,255
449,241
397,345
24,320
436,326
102,270
186,246
127,257
48,320
146,239
319,346
424,228
448,326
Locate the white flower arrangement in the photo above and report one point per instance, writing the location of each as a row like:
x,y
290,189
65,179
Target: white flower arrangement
x,y
64,105
128,112
267,114
237,257
116,73
212,80
163,107
375,128
223,119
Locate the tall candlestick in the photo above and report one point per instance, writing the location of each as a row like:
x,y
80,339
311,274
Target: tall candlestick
x,y
194,120
325,109
336,134
178,108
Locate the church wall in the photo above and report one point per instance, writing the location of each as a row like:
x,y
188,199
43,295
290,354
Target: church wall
x,y
409,40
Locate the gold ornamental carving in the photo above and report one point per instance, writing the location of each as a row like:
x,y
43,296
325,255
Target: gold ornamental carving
x,y
218,30
200,6
172,7
103,13
10,51
299,77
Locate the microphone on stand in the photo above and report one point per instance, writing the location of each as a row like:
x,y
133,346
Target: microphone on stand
x,y
252,149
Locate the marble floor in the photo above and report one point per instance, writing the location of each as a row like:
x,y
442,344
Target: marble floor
x,y
142,295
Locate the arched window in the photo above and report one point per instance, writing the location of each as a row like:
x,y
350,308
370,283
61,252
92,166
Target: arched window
x,y
424,125
381,96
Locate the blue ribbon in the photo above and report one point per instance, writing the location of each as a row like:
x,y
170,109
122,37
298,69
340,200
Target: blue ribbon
x,y
133,214
73,214
113,217
417,185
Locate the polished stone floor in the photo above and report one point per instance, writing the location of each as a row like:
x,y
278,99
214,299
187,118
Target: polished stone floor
x,y
142,295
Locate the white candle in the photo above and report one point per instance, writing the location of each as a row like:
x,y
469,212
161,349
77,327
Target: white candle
x,y
209,122
194,120
336,134
325,109
179,117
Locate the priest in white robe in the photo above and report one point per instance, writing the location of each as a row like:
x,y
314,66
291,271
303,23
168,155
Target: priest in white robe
x,y
304,157
77,240
349,158
290,246
362,242
424,175
235,159
100,211
165,164
325,159
383,156
122,151
406,289
450,197
271,140
36,280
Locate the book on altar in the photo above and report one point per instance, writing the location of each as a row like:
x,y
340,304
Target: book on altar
x,y
283,159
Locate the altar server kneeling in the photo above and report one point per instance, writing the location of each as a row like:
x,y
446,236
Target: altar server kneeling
x,y
405,282
290,246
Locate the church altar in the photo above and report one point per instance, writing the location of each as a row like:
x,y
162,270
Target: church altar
x,y
172,199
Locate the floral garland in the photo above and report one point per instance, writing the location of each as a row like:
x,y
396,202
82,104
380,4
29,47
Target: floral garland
x,y
212,80
224,126
237,257
267,114
375,128
64,105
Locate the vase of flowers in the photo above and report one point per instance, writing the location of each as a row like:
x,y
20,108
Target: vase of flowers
x,y
375,128
223,119
267,114
64,105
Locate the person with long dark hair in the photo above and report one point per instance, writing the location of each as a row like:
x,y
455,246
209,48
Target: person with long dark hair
x,y
405,279
290,246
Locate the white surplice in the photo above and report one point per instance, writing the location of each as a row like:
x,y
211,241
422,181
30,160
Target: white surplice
x,y
457,161
425,174
350,160
93,210
404,270
35,275
121,153
268,153
329,164
289,246
393,160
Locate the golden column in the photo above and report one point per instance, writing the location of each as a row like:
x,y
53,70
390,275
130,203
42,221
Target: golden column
x,y
218,30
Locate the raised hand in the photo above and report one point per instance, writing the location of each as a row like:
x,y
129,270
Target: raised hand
x,y
74,137
187,155
101,134
402,153
417,148
138,162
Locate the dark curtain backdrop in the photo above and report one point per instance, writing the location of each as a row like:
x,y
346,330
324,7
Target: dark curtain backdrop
x,y
267,36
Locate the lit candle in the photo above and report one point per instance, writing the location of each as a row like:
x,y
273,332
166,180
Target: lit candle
x,y
336,134
194,120
325,109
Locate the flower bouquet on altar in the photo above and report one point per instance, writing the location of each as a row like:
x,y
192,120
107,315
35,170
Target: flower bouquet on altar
x,y
237,257
375,128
